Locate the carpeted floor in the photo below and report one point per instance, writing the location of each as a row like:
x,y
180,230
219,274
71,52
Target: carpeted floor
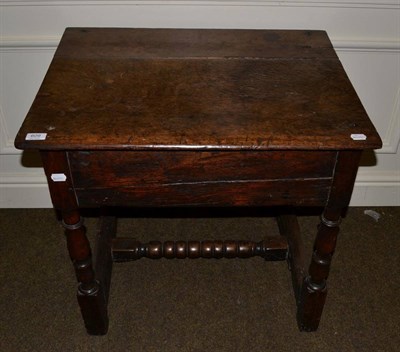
x,y
199,305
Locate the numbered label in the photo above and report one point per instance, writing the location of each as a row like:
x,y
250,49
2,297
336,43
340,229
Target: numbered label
x,y
36,136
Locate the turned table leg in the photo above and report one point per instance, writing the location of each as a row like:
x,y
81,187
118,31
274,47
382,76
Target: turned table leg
x,y
314,287
91,296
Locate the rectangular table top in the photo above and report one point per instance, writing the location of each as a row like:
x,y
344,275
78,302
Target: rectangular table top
x,y
130,89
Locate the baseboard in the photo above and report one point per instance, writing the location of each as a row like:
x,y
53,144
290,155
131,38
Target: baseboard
x,y
24,195
376,188
377,195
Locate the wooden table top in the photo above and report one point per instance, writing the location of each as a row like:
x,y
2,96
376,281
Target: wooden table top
x,y
110,88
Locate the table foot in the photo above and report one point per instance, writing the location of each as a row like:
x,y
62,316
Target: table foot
x,y
311,304
93,306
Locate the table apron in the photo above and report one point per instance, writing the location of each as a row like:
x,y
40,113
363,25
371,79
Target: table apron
x,y
256,193
207,178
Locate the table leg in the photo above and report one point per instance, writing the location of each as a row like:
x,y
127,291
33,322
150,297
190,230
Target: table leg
x,y
314,288
91,298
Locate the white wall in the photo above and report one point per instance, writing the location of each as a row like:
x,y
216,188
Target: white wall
x,y
365,34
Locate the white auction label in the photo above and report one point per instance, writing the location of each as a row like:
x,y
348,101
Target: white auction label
x,y
36,136
358,137
58,177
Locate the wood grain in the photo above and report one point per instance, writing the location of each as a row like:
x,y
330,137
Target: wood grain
x,y
96,169
235,90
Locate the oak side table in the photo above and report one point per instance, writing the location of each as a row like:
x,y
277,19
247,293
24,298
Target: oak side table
x,y
190,118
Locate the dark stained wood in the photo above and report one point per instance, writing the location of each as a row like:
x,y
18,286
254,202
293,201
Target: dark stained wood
x,y
62,195
168,117
314,288
343,183
201,178
289,227
150,43
103,258
90,294
127,249
221,95
94,311
309,192
104,169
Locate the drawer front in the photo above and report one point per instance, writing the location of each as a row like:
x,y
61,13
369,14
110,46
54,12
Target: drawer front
x,y
185,178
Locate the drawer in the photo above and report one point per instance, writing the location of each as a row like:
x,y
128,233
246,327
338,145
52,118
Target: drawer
x,y
182,178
